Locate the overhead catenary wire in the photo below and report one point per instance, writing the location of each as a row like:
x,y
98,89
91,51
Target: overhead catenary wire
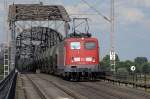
x,y
111,20
99,13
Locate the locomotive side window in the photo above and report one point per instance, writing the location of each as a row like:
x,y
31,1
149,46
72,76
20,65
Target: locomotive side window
x,y
90,45
75,45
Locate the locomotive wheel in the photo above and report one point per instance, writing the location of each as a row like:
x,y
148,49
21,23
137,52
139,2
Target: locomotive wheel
x,y
67,76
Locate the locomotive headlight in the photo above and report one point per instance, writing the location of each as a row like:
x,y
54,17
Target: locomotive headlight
x,y
75,59
88,59
93,59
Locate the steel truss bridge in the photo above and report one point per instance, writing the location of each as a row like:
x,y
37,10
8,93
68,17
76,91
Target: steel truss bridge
x,y
35,27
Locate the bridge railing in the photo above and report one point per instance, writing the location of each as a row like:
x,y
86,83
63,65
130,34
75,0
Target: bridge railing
x,y
137,80
7,86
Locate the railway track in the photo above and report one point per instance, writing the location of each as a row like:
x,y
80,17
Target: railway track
x,y
116,91
37,89
122,89
101,90
70,94
79,91
83,89
51,87
26,88
64,89
107,91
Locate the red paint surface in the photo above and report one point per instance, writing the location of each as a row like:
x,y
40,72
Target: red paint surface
x,y
82,52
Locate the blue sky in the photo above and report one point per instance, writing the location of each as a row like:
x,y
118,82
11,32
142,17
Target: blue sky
x,y
132,24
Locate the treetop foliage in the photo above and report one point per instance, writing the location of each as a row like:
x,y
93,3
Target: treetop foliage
x,y
141,63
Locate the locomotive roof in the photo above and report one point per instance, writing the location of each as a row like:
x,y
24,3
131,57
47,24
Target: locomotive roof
x,y
79,35
74,39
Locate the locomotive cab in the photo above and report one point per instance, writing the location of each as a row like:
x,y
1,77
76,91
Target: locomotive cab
x,y
82,55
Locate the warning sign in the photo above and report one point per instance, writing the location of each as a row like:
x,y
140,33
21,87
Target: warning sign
x,y
132,68
112,55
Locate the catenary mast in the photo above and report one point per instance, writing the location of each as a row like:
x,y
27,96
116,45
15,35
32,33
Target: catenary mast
x,y
112,48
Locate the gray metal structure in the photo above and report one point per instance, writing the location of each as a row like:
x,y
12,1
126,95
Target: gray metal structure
x,y
37,12
6,61
36,38
35,26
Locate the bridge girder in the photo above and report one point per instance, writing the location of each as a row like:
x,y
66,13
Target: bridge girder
x,y
33,25
41,37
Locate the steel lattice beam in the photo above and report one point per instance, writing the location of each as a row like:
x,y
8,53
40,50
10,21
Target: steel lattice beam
x,y
35,26
36,12
42,37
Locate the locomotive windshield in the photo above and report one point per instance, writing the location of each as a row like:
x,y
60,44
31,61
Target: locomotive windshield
x,y
75,45
90,45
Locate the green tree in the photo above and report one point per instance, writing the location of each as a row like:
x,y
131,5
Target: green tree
x,y
139,61
146,68
128,64
105,63
125,64
122,70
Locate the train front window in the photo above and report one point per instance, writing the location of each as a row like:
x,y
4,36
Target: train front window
x,y
90,45
75,45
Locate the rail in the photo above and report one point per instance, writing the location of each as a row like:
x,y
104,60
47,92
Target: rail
x,y
7,86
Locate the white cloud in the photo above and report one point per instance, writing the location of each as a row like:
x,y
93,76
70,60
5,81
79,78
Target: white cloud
x,y
80,8
146,23
128,15
143,3
134,3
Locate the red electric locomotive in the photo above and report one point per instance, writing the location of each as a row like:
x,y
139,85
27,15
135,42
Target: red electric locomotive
x,y
82,53
81,57
74,58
